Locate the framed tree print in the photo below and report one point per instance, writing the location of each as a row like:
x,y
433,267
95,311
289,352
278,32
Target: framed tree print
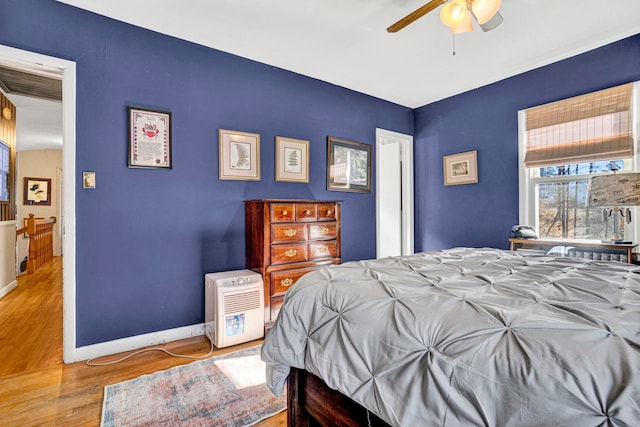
x,y
292,160
239,155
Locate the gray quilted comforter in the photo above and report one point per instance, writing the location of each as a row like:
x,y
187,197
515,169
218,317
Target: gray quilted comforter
x,y
468,337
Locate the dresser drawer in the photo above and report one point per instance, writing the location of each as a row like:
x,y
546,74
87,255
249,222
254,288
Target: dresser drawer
x,y
318,250
276,304
327,211
306,212
283,280
321,231
282,212
288,233
284,254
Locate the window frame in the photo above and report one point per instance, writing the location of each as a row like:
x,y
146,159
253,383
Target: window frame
x,y
529,177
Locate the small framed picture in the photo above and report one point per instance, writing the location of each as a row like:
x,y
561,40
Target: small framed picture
x,y
292,160
37,191
461,168
348,165
239,155
149,138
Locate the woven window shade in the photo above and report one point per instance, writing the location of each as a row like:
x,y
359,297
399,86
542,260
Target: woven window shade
x,y
595,126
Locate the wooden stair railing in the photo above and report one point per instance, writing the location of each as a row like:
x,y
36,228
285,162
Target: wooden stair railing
x,y
40,232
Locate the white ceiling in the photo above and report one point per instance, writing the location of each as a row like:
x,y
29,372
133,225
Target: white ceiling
x,y
38,123
345,42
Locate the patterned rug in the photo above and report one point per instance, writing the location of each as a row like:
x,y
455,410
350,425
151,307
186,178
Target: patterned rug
x,y
227,390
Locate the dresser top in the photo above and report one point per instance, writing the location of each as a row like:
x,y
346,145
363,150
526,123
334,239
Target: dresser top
x,y
292,201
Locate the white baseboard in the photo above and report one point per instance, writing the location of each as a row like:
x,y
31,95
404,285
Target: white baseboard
x,y
136,342
11,286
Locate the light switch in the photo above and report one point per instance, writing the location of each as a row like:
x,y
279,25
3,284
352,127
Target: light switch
x,y
88,180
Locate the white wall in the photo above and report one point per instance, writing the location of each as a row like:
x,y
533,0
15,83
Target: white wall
x,y
39,164
7,257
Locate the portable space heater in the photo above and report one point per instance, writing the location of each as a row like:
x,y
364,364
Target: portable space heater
x,y
233,307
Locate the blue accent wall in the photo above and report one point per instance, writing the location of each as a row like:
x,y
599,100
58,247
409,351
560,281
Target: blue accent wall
x,y
486,120
145,238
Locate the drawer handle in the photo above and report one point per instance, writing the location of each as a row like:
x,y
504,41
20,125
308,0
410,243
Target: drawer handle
x,y
290,232
323,249
307,212
284,212
286,282
329,212
290,253
325,230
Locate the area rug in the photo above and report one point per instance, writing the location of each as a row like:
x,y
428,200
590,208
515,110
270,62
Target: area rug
x,y
227,390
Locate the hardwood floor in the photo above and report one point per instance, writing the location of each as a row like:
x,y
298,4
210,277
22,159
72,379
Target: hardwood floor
x,y
36,388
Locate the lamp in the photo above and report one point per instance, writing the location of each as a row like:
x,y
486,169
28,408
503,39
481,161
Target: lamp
x,y
6,113
484,10
614,192
453,14
464,27
457,15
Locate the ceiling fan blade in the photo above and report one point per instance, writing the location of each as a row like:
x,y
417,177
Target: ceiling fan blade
x,y
414,16
492,23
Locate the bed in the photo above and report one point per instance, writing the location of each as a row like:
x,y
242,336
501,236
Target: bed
x,y
460,337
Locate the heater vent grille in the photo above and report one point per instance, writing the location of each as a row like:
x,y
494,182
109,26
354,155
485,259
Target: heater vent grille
x,y
234,303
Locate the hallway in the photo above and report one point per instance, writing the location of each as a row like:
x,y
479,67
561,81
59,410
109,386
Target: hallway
x,y
31,321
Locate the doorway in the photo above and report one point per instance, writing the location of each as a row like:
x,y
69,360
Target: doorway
x,y
25,60
394,193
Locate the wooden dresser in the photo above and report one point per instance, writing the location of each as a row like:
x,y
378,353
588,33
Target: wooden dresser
x,y
286,239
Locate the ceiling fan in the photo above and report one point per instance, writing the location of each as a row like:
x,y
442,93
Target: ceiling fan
x,y
457,15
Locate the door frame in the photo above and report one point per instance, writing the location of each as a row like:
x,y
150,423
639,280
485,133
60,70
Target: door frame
x,y
27,60
406,156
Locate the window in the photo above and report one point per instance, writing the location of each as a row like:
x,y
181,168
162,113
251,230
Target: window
x,y
561,145
4,172
561,201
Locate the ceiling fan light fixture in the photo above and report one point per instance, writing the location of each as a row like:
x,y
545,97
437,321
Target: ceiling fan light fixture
x,y
454,13
492,23
465,27
484,10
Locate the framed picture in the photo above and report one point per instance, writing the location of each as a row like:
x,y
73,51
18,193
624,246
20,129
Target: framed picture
x,y
292,160
149,138
239,155
461,168
348,165
37,191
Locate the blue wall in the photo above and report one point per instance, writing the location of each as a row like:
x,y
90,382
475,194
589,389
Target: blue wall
x,y
145,238
486,120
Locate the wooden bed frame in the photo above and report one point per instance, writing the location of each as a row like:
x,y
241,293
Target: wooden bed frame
x,y
310,402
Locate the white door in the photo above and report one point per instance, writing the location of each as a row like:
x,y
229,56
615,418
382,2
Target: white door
x,y
60,190
394,193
